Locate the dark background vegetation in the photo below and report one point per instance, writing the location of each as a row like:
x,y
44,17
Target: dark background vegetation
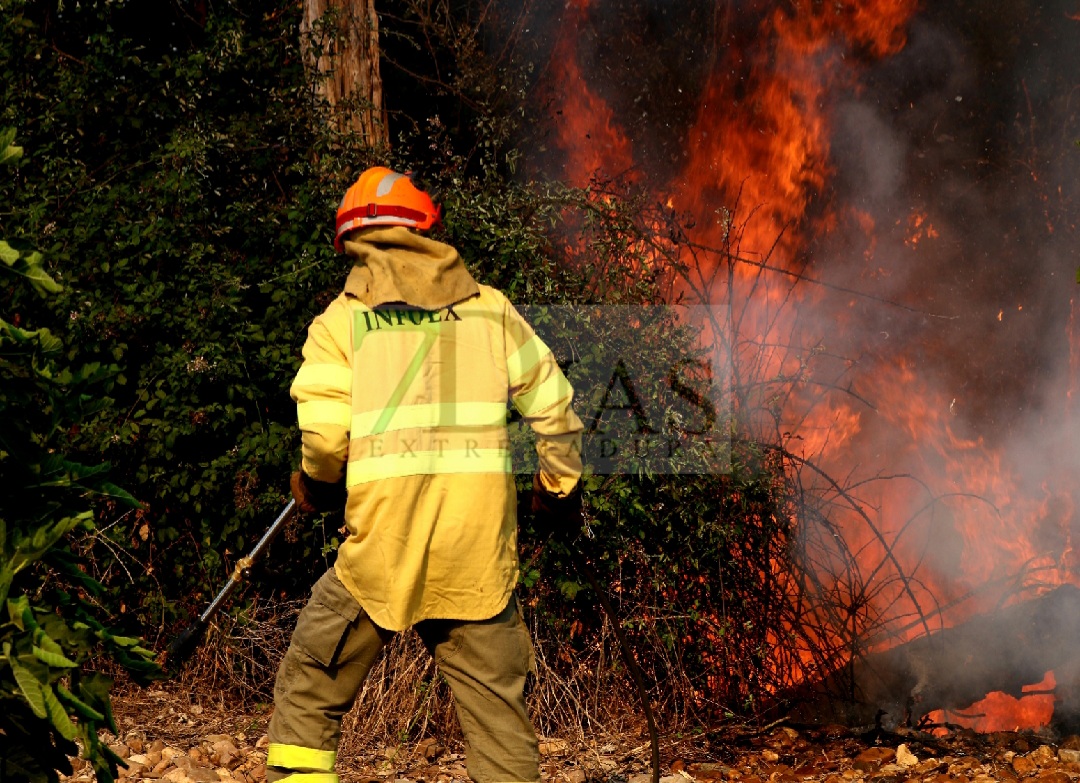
x,y
180,180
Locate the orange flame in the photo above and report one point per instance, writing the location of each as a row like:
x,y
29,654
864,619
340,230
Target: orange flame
x,y
1001,712
761,145
919,228
587,131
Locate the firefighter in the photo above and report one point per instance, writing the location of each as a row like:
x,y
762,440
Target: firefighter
x,y
402,405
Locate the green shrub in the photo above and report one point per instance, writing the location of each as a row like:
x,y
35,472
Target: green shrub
x,y
184,187
175,192
50,628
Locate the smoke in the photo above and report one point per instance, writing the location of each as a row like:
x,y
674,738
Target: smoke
x,y
973,123
971,129
953,199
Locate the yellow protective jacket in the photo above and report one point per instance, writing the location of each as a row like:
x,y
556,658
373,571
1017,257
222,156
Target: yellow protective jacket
x,y
403,393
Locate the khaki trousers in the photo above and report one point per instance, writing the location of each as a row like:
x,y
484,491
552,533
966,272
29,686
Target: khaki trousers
x,y
334,647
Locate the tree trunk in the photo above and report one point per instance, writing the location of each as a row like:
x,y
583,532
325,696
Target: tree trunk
x,y
340,41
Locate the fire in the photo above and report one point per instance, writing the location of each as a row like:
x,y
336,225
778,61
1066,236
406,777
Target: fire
x,y
919,228
940,500
587,132
1001,711
770,151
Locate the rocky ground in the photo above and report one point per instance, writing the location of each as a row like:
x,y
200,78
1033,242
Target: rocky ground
x,y
165,737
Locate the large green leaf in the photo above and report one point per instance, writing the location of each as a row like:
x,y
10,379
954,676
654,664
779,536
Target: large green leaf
x,y
58,714
40,340
19,611
28,265
8,254
53,659
80,706
9,152
46,642
28,684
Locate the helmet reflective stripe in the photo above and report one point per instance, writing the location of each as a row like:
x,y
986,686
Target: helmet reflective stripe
x,y
386,184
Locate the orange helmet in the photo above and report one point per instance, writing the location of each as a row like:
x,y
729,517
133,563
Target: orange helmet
x,y
382,197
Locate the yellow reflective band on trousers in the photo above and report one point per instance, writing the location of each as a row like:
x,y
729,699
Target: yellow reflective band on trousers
x,y
299,757
426,463
429,415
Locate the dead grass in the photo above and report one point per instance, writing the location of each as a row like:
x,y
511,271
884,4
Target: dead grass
x,y
404,698
239,655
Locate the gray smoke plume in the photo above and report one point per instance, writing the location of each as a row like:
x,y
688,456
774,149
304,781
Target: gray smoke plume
x,y
971,129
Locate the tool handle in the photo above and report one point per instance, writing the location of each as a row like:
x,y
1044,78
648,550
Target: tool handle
x,y
184,645
260,547
244,564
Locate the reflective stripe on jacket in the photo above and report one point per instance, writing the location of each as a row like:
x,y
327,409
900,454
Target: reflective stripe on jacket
x,y
409,406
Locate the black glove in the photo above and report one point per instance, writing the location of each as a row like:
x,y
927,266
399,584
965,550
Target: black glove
x,y
562,515
316,496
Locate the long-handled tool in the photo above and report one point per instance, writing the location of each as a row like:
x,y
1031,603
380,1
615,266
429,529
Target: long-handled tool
x,y
184,644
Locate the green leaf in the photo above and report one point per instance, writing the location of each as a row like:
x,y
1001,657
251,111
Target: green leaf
x,y
9,153
8,254
28,684
46,642
29,266
570,589
53,659
123,641
17,609
80,706
57,714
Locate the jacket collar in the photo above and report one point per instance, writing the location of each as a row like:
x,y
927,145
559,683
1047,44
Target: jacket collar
x,y
396,265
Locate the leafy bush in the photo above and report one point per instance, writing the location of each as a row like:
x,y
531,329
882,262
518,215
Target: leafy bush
x,y
50,629
184,185
175,191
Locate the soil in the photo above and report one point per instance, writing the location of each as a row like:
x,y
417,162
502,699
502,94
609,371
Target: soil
x,y
165,736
